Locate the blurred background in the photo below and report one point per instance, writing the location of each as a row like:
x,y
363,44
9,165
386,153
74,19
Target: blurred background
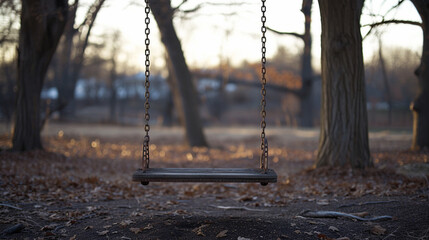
x,y
97,73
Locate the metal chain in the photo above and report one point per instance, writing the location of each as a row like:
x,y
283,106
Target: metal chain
x,y
264,142
145,158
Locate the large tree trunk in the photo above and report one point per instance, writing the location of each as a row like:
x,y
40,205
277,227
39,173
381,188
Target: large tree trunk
x,y
42,23
306,96
420,106
163,14
344,124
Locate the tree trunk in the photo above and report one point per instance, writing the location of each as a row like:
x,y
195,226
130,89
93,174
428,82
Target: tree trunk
x,y
42,23
385,81
420,106
74,60
306,96
64,83
112,100
163,14
344,124
175,92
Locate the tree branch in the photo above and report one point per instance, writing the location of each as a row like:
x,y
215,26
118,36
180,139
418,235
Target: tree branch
x,y
300,36
392,21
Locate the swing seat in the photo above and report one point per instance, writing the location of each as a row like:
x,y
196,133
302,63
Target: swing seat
x,y
245,175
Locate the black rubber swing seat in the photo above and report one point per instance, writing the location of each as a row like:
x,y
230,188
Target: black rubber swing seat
x,y
245,175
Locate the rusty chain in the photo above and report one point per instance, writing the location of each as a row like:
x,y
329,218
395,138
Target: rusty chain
x,y
145,158
264,142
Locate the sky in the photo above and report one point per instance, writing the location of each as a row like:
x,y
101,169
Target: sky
x,y
217,33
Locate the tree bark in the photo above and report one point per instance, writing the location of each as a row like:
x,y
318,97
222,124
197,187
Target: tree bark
x,y
163,14
42,23
420,105
344,124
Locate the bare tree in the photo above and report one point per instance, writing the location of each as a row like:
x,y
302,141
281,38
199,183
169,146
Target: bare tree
x,y
385,79
72,55
113,73
306,100
344,125
42,24
420,105
163,13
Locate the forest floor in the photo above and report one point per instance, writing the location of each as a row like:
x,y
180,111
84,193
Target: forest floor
x,y
81,188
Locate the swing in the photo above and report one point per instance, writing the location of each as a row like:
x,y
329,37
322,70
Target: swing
x,y
263,174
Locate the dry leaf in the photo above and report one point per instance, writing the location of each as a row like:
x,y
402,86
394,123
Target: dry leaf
x,y
222,234
88,227
378,230
342,238
73,238
243,238
148,227
297,231
332,228
125,223
199,230
102,233
136,230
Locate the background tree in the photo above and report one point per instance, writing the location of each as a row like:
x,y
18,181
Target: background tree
x,y
344,126
115,41
305,96
420,105
163,13
71,55
9,33
42,24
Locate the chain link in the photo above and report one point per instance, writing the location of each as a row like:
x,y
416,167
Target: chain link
x,y
145,158
264,142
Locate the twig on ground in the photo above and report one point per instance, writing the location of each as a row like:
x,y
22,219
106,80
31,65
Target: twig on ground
x,y
333,214
366,203
239,208
14,229
10,206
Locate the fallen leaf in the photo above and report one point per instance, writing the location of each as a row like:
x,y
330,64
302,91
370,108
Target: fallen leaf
x,y
102,233
297,231
148,227
73,238
332,228
243,238
125,223
378,230
88,227
136,230
49,227
222,234
199,230
342,238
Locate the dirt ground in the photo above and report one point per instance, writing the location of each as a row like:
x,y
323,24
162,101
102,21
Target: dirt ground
x,y
81,188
